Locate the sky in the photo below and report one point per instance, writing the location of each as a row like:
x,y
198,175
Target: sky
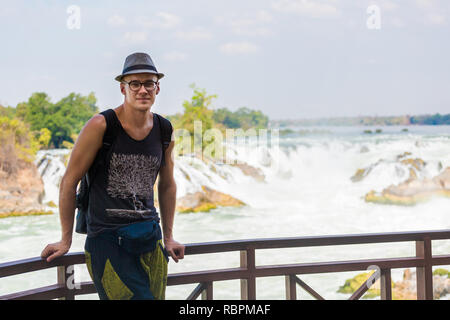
x,y
288,58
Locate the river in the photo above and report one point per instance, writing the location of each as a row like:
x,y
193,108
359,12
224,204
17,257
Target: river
x,y
307,191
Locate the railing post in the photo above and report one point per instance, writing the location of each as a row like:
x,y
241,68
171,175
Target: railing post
x,y
386,284
425,273
66,279
248,285
291,287
207,293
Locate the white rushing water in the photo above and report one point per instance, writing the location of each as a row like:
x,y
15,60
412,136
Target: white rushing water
x,y
307,191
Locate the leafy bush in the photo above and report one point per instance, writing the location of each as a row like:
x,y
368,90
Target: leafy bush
x,y
18,144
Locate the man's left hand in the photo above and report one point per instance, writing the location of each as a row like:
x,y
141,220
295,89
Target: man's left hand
x,y
174,249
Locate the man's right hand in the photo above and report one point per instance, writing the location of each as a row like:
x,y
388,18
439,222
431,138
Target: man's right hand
x,y
54,250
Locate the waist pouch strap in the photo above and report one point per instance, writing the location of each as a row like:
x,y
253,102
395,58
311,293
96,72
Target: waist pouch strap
x,y
136,238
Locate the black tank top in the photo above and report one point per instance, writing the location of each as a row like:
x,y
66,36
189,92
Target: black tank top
x,y
122,191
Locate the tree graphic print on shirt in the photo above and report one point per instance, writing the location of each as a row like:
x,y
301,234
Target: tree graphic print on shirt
x,y
132,176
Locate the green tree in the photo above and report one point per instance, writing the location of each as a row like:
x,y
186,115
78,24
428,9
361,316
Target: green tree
x,y
63,119
252,118
69,115
8,112
227,118
244,118
197,109
35,110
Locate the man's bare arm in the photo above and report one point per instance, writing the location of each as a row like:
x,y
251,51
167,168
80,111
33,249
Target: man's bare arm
x,y
83,154
167,192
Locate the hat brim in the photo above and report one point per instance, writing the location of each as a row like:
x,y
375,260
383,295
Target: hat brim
x,y
120,77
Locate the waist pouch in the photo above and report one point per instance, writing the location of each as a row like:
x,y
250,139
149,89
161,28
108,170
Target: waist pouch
x,y
136,238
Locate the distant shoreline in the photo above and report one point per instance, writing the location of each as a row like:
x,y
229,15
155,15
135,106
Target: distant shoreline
x,y
405,120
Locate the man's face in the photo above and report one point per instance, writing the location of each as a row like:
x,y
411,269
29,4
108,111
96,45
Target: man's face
x,y
142,98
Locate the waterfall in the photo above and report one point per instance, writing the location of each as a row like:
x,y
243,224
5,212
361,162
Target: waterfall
x,y
51,167
191,173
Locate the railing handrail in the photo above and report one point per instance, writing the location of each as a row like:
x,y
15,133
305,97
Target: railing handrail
x,y
249,271
312,241
37,263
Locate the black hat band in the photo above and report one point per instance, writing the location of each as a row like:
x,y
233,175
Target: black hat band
x,y
139,66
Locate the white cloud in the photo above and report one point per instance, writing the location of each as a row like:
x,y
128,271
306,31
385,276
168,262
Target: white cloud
x,y
434,12
116,21
161,20
424,3
135,37
309,8
388,5
397,22
264,16
239,48
249,27
256,31
6,11
175,56
435,19
254,24
196,34
108,55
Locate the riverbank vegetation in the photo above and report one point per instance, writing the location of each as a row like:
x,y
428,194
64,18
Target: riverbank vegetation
x,y
18,144
57,123
201,124
39,123
405,120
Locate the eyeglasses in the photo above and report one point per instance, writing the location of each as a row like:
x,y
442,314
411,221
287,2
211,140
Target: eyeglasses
x,y
136,85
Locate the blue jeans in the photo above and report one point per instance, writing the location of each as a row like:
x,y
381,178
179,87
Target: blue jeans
x,y
120,275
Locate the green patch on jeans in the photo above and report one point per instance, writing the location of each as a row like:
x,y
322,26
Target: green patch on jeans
x,y
155,265
114,288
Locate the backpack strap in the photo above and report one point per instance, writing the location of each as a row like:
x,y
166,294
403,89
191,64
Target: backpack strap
x,y
112,125
166,135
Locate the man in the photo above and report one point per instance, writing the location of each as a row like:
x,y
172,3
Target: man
x,y
122,192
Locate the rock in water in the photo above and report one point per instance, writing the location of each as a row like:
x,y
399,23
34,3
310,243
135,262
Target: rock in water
x,y
404,289
248,170
205,200
413,190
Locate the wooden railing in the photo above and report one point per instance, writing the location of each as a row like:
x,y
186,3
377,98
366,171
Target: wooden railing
x,y
248,271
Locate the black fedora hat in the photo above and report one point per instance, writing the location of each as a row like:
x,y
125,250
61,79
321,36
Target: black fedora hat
x,y
138,63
